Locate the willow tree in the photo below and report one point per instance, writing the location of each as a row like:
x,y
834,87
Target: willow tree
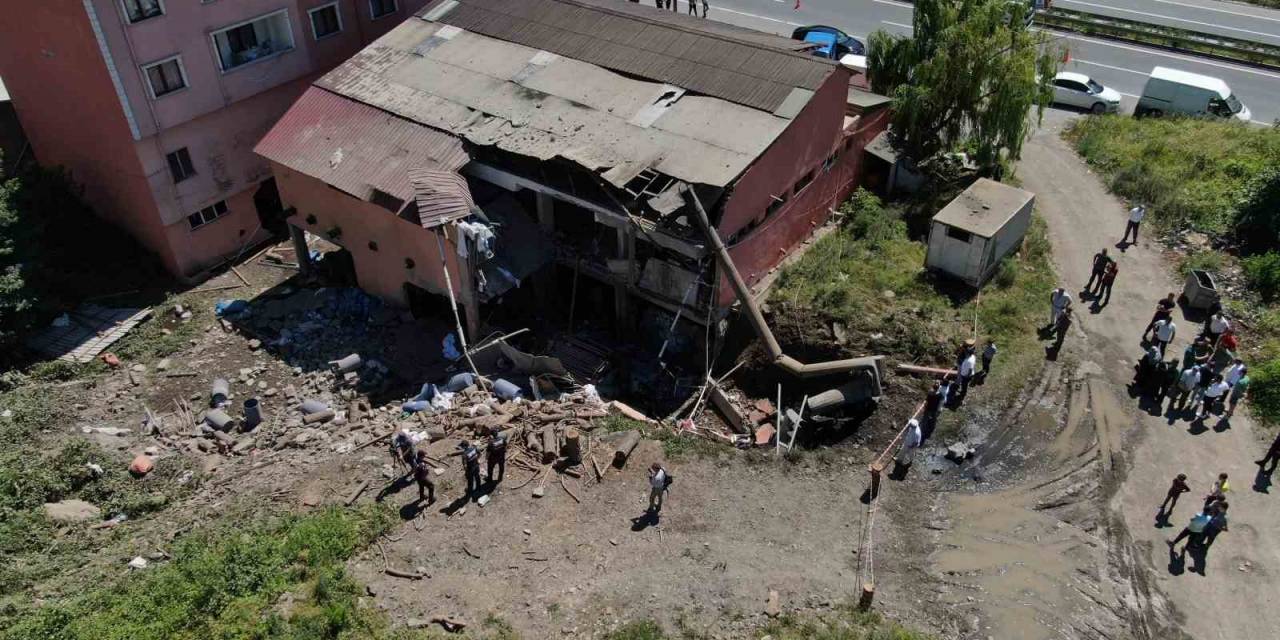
x,y
966,79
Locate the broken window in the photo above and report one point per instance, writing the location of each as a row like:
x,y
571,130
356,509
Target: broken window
x,y
207,214
776,202
139,10
180,166
165,76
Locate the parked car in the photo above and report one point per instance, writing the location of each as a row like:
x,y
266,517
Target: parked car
x,y
1170,91
831,43
1079,90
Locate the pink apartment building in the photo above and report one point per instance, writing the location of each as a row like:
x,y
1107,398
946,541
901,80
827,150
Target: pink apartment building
x,y
154,106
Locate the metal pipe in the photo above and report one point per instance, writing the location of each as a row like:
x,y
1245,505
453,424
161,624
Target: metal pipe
x,y
219,420
218,392
756,317
252,413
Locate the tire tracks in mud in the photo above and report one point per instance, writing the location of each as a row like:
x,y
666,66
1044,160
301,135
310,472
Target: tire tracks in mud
x,y
1035,551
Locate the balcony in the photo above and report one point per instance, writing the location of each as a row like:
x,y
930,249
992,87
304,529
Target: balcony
x,y
258,39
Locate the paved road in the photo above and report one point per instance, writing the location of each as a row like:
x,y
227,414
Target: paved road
x,y
1114,64
1247,22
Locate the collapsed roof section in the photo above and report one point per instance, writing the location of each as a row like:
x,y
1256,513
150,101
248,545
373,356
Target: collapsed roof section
x,y
537,103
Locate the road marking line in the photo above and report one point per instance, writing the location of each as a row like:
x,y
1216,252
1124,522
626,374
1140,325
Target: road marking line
x,y
758,17
900,5
899,24
1155,52
1158,15
1204,8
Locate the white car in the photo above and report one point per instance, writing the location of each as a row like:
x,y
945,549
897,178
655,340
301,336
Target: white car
x,y
1079,90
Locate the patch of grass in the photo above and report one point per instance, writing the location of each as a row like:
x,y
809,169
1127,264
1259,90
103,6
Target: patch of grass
x,y
847,277
225,583
1264,392
160,336
614,423
1190,172
637,630
1211,261
844,623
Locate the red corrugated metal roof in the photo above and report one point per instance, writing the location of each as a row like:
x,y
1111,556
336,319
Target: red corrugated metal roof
x,y
749,68
356,147
442,196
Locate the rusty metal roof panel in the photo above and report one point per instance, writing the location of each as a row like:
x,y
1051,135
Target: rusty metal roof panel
x,y
356,147
658,45
442,196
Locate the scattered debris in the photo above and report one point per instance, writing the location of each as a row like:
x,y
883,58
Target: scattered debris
x,y
138,563
142,465
959,452
87,332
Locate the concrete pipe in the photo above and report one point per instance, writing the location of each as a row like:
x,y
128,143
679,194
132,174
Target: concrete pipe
x,y
347,364
252,413
218,392
219,420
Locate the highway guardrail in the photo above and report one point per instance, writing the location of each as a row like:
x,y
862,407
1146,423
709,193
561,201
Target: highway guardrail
x,y
1172,38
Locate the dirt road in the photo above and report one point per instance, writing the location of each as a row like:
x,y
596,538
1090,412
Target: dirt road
x,y
1233,597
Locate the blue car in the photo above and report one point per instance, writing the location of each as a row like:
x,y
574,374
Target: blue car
x,y
830,42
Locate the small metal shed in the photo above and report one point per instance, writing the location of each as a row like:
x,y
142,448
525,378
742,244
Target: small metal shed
x,y
974,232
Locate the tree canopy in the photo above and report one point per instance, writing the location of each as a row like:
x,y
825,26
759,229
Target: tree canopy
x,y
966,80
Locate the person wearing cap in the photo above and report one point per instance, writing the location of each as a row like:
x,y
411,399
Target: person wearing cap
x,y
471,466
496,454
657,486
422,476
1136,214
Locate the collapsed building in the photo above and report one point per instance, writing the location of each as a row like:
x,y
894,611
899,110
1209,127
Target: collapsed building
x,y
575,146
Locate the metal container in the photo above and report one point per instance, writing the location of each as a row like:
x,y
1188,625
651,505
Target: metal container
x,y
219,392
252,413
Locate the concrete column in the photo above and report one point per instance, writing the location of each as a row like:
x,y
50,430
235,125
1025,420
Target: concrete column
x,y
299,238
544,282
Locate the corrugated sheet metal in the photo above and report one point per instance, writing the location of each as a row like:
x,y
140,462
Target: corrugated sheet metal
x,y
442,196
737,65
355,147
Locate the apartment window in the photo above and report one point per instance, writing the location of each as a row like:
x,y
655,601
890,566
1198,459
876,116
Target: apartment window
x,y
180,165
166,76
207,214
254,40
325,21
379,8
139,10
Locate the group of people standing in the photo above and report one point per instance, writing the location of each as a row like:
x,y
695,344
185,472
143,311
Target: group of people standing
x,y
674,5
416,463
945,393
1208,378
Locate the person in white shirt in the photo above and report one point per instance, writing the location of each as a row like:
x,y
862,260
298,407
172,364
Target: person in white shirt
x,y
1187,383
1165,330
1058,301
1234,372
1216,393
1135,219
657,486
910,442
1217,325
968,367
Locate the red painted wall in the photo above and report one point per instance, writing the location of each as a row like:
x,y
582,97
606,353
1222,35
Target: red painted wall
x,y
813,136
382,272
53,68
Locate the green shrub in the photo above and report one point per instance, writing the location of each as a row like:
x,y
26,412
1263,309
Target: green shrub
x,y
1264,392
867,219
1007,274
1258,211
1263,274
638,630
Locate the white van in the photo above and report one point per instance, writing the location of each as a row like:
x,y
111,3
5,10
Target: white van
x,y
1170,91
